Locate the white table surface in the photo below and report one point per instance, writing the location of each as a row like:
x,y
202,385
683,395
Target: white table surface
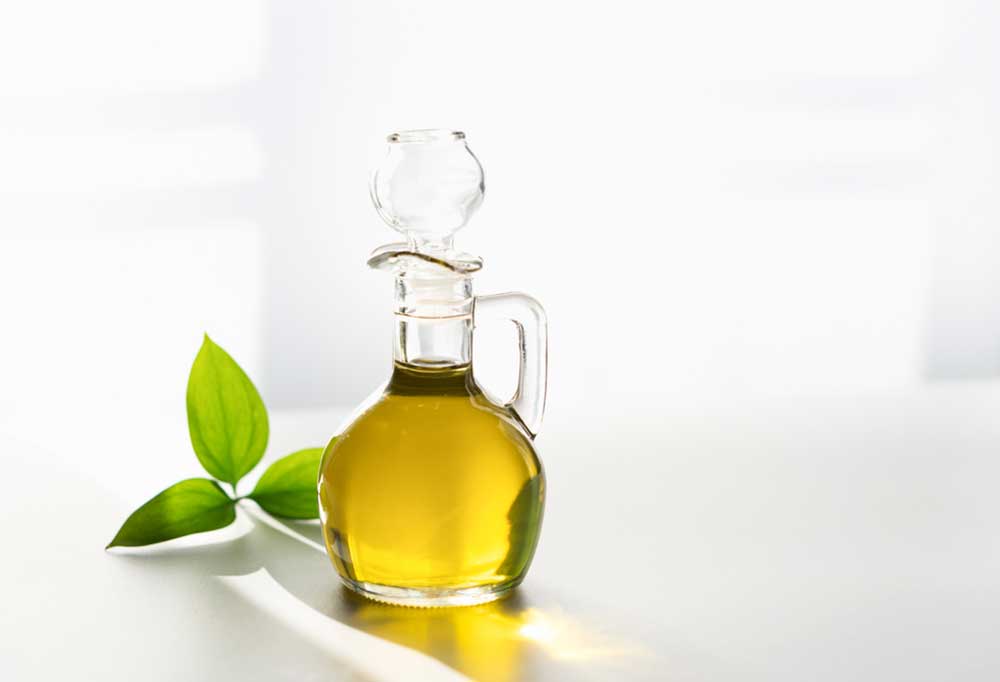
x,y
854,537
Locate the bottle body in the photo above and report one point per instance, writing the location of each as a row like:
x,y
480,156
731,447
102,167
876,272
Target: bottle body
x,y
434,494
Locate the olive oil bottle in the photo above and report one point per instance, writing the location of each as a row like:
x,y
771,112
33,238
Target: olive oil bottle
x,y
433,494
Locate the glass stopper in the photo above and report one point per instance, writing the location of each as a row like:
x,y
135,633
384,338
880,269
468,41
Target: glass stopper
x,y
427,187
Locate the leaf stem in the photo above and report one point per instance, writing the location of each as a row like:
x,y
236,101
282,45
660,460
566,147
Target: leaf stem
x,y
261,516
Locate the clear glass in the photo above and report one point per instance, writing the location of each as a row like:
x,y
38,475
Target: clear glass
x,y
428,186
433,495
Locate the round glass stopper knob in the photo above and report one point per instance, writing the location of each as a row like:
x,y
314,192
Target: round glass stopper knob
x,y
428,186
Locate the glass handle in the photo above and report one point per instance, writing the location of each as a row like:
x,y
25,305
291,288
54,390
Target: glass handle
x,y
528,316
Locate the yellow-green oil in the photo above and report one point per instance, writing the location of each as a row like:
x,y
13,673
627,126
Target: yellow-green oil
x,y
433,487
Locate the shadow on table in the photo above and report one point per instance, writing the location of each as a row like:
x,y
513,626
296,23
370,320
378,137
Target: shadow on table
x,y
513,639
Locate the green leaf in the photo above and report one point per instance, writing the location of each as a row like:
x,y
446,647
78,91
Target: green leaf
x,y
288,487
192,506
226,417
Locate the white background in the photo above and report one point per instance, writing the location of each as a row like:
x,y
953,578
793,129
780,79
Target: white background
x,y
715,201
766,236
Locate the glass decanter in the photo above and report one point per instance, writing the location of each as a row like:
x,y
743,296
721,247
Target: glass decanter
x,y
433,493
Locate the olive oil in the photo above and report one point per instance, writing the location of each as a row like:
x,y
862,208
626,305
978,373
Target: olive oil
x,y
433,495
433,489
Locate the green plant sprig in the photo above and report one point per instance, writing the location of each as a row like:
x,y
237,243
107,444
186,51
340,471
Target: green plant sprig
x,y
229,430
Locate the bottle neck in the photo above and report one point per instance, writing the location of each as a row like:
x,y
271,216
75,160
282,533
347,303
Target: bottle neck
x,y
432,342
433,321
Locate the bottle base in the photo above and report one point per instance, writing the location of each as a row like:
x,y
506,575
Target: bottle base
x,y
430,597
